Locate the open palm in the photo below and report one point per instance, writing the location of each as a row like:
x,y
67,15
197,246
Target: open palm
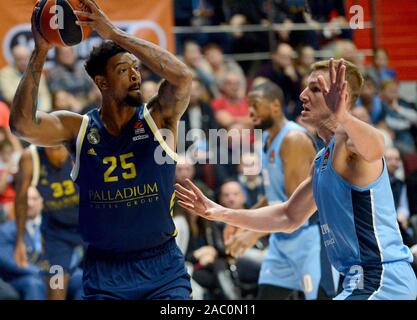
x,y
196,202
336,95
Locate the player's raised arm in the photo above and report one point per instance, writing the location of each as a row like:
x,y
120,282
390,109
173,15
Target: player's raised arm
x,y
364,140
283,217
25,121
174,92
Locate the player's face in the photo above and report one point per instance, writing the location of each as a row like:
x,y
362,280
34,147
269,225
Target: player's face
x,y
125,79
315,110
260,111
34,203
184,170
393,159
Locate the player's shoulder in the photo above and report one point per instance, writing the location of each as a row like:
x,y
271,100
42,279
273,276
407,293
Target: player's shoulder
x,y
296,139
27,153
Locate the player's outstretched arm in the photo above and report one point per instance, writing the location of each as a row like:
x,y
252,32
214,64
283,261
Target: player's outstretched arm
x,y
174,92
25,121
364,140
23,181
283,217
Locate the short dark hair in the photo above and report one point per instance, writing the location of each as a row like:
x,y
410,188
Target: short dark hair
x,y
97,61
270,91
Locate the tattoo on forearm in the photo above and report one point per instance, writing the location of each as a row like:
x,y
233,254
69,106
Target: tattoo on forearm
x,y
158,57
29,85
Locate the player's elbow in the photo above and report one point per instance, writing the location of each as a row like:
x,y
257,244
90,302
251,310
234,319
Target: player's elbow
x,y
292,225
290,221
186,76
18,127
15,127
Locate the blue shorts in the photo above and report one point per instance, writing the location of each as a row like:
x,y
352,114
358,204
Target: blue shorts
x,y
63,246
293,261
155,274
390,281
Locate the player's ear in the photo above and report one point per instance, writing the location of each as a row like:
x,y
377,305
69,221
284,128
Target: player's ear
x,y
101,82
276,106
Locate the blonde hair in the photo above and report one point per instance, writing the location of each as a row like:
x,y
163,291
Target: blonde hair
x,y
353,76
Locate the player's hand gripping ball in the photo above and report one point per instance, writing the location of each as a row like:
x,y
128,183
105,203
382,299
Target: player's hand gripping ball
x,y
55,20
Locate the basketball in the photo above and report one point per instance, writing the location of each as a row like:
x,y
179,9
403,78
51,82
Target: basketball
x,y
55,20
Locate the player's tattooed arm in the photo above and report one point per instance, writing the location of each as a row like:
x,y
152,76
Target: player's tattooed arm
x,y
25,102
25,121
174,93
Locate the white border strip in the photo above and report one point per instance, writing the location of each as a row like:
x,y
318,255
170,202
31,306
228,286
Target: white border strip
x,y
157,134
79,144
36,165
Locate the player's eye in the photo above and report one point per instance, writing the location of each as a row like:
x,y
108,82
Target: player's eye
x,y
315,89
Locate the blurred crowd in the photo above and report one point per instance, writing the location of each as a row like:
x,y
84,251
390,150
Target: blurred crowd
x,y
219,100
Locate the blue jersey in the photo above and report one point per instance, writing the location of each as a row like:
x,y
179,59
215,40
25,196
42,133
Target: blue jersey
x,y
359,225
60,194
273,168
126,195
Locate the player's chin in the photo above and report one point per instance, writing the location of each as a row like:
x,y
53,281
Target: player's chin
x,y
134,99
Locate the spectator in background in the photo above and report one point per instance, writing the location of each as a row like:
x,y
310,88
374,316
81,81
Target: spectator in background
x,y
8,169
199,66
331,12
30,281
95,100
220,67
63,100
199,13
250,178
191,229
363,114
232,106
199,115
240,13
305,58
5,130
10,77
213,272
282,72
69,75
400,116
27,281
347,50
380,71
149,89
371,101
399,189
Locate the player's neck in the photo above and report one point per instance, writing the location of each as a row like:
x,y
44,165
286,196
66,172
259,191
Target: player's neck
x,y
115,116
326,129
276,128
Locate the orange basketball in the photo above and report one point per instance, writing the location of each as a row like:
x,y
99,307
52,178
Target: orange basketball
x,y
56,19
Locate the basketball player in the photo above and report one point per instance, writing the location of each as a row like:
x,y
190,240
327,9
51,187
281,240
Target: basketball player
x,y
349,186
287,156
48,170
126,194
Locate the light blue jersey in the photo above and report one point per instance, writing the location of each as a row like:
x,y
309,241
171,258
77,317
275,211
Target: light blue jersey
x,y
293,260
361,233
